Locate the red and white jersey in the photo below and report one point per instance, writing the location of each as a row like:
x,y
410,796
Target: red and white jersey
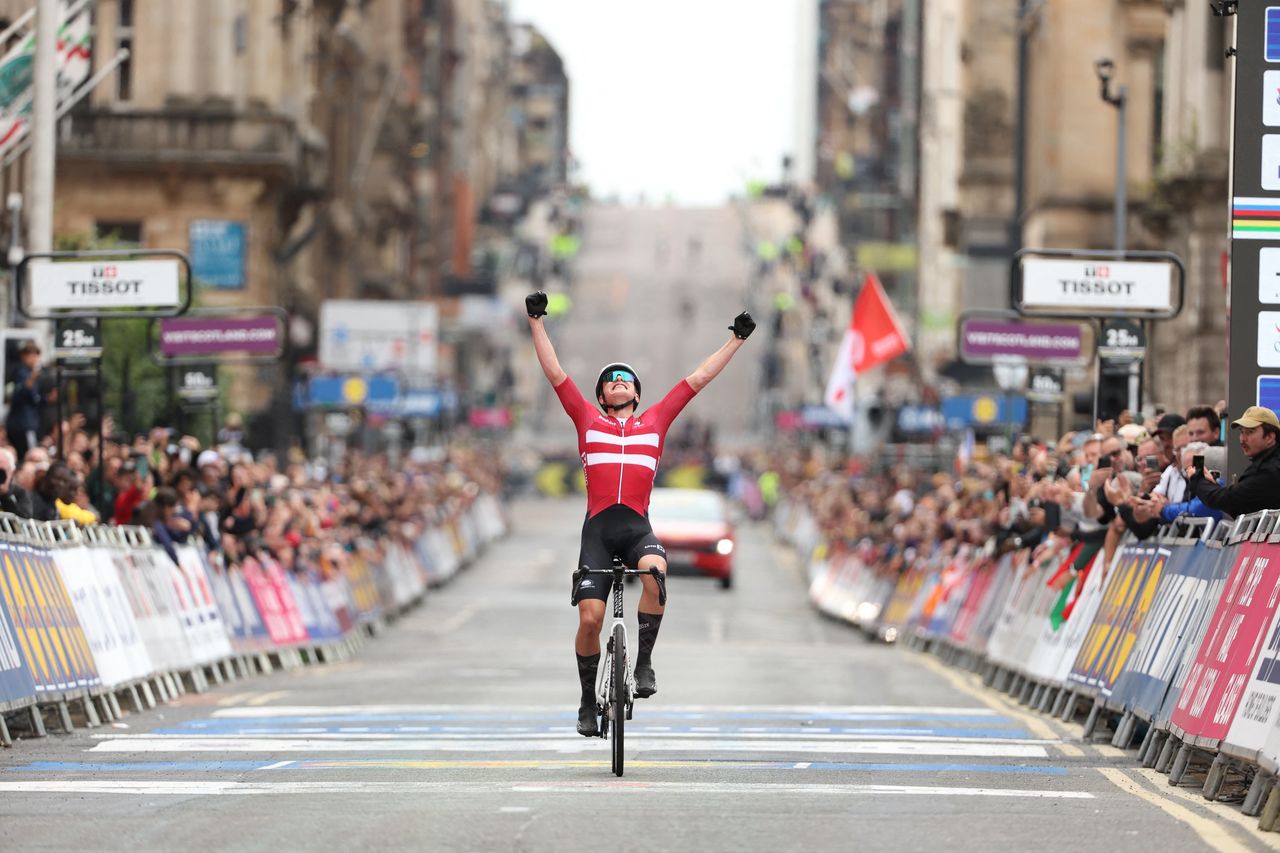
x,y
620,456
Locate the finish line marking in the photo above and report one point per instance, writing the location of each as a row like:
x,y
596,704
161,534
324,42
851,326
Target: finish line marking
x,y
521,764
565,746
231,788
819,712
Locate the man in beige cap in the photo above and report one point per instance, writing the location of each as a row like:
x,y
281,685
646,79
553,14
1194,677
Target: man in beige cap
x,y
1258,487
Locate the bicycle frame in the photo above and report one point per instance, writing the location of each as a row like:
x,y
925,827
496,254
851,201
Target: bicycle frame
x,y
604,681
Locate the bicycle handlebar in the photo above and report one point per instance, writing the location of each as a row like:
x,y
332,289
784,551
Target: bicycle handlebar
x,y
623,569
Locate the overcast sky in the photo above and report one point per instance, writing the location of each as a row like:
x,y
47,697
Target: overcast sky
x,y
682,98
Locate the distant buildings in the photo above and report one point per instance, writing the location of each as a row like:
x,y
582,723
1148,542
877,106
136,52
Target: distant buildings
x,y
352,147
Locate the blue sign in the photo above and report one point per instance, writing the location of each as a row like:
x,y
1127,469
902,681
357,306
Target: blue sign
x,y
983,410
375,393
1269,392
920,419
217,253
1271,51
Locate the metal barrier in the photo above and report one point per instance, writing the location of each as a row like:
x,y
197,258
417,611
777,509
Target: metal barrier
x,y
1176,640
95,615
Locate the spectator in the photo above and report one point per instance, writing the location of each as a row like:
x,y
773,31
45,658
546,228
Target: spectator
x,y
69,495
1258,487
168,527
1214,458
44,499
13,498
1173,484
23,421
130,492
1203,425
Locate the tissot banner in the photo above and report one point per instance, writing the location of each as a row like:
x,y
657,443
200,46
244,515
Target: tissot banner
x,y
1092,285
105,284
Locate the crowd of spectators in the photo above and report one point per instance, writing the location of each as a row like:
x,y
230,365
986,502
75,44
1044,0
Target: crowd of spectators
x,y
236,501
1089,488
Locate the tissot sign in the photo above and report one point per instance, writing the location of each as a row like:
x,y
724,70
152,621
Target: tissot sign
x,y
105,284
1102,286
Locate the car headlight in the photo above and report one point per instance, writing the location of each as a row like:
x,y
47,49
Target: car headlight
x,y
724,546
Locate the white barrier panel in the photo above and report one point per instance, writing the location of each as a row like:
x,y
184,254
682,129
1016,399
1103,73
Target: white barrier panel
x,y
442,562
150,599
1051,643
1003,648
164,581
1082,614
103,610
198,608
489,517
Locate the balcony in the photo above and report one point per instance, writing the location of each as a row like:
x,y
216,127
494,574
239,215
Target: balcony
x,y
267,144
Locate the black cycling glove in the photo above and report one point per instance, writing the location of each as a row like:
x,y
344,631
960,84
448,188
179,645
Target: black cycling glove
x,y
743,326
536,304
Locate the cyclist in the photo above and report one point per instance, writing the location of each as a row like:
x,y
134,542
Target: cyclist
x,y
620,451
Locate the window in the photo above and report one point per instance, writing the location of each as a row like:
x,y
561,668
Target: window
x,y
124,41
126,235
240,34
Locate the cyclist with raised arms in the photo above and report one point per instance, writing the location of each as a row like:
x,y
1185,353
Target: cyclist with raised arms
x,y
620,450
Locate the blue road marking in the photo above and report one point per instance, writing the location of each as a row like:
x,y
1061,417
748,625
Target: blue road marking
x,y
236,728
364,764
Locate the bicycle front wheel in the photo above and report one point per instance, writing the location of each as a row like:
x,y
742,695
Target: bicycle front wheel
x,y
618,697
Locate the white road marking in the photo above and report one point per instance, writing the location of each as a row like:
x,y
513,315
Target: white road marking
x,y
563,745
278,765
816,711
214,787
643,735
454,622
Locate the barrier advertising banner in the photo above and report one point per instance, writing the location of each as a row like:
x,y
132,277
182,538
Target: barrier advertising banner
x,y
1225,658
16,684
49,634
196,610
1150,670
154,610
1083,611
1095,666
241,617
104,616
275,602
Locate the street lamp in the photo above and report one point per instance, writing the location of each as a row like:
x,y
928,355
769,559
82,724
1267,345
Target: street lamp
x,y
1105,70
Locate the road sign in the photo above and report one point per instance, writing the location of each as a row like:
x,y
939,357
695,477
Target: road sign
x,y
198,383
1123,341
77,341
984,340
1046,386
368,336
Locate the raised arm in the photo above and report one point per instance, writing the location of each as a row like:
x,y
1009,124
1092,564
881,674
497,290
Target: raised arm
x,y
742,328
536,305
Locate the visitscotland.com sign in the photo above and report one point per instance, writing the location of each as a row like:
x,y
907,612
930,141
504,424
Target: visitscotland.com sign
x,y
195,337
984,341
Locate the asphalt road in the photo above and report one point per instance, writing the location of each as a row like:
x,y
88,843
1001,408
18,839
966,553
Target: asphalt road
x,y
773,729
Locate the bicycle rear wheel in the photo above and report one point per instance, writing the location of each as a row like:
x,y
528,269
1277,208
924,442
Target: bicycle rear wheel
x,y
618,697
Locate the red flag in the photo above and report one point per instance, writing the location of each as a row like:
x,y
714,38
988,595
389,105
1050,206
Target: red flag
x,y
877,337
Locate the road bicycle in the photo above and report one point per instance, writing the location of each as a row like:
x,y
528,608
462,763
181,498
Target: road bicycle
x,y
616,683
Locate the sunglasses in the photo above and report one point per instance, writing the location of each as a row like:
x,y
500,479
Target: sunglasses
x,y
619,376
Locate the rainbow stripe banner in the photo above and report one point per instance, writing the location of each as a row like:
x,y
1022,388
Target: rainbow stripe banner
x,y
1255,219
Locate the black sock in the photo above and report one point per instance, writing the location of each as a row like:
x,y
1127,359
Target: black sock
x,y
649,625
587,666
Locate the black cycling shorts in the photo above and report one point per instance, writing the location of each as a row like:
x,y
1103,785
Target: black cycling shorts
x,y
617,531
